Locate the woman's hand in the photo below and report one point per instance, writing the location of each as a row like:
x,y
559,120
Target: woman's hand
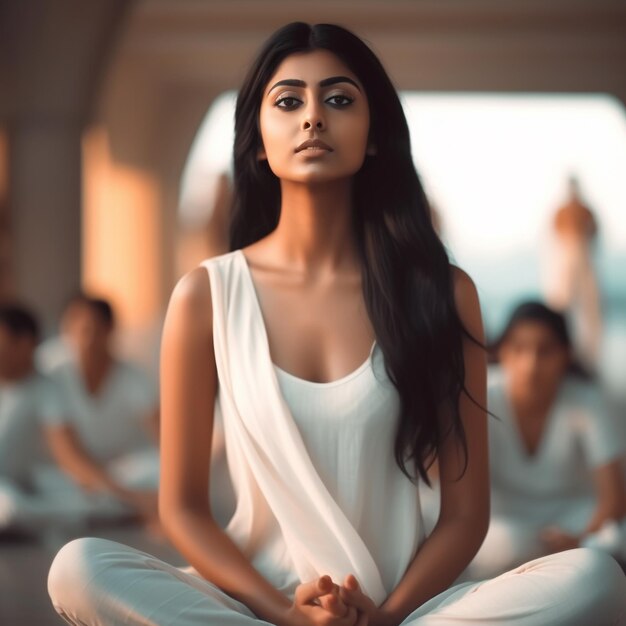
x,y
318,603
369,614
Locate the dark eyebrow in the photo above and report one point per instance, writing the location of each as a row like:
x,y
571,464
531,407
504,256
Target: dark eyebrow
x,y
338,79
294,82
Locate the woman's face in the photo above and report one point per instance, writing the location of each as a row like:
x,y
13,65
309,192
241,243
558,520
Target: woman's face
x,y
534,359
313,96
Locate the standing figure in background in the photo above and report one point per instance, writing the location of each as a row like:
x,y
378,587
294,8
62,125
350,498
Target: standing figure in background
x,y
28,401
572,286
556,479
107,442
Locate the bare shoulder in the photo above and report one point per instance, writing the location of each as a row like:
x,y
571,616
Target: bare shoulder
x,y
190,301
467,302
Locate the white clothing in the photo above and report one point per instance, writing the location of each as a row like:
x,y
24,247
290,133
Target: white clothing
x,y
108,423
348,428
552,487
572,288
96,582
111,425
283,504
52,353
318,492
25,407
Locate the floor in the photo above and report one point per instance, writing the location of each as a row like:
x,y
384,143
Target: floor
x,y
24,568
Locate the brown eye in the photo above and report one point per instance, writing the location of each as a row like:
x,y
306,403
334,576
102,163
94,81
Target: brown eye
x,y
288,102
339,100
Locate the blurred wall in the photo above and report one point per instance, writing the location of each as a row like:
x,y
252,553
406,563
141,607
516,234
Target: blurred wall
x,y
52,56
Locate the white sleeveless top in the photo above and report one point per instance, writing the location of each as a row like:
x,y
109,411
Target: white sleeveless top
x,y
317,486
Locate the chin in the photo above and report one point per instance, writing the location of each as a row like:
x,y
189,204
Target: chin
x,y
320,175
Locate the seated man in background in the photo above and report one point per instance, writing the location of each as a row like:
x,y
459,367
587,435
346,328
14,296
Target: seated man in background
x,y
28,401
56,350
106,441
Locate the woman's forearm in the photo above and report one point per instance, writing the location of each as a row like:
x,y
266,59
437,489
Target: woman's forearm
x,y
438,563
218,559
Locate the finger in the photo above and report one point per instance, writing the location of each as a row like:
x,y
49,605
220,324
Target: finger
x,y
350,618
333,604
350,582
354,597
307,592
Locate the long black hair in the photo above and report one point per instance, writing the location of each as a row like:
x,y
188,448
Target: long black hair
x,y
407,277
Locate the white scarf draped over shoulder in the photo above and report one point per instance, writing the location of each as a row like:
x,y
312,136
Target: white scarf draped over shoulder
x,y
277,487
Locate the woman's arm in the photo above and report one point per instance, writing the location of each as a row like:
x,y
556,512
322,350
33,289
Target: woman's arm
x,y
464,516
188,390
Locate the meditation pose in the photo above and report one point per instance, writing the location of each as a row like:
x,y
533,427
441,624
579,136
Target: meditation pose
x,y
555,451
341,350
29,403
104,442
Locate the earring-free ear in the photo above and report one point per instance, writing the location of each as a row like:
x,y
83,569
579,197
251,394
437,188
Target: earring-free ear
x,y
371,150
261,155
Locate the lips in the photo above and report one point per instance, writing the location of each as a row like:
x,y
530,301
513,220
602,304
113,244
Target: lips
x,y
313,144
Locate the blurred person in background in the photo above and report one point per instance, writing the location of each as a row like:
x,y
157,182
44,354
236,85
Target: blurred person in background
x,y
57,349
572,285
28,401
106,442
556,479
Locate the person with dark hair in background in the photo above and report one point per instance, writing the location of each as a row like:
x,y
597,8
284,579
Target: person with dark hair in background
x,y
342,350
56,350
28,403
556,477
106,442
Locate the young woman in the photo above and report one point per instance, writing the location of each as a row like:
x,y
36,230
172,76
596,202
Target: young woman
x,y
341,350
555,452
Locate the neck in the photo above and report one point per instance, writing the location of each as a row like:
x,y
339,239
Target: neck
x,y
315,231
537,403
94,360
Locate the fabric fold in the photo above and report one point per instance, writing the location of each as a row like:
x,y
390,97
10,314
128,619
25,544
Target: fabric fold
x,y
271,470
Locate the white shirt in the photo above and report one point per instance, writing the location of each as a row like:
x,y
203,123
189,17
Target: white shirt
x,y
24,407
111,422
554,485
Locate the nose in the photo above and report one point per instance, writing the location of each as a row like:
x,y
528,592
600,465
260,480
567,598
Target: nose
x,y
313,118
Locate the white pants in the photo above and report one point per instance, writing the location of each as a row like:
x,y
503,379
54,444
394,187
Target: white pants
x,y
96,582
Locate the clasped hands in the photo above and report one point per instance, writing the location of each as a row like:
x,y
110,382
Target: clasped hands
x,y
321,602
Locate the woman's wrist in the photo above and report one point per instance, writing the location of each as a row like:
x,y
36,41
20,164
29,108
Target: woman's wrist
x,y
383,617
280,613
